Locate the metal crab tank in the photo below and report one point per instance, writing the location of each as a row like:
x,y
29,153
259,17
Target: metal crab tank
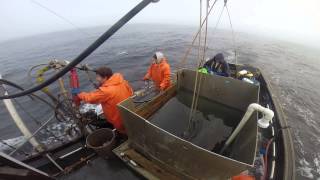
x,y
155,129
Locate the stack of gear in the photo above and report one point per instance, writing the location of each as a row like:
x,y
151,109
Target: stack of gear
x,y
248,77
216,65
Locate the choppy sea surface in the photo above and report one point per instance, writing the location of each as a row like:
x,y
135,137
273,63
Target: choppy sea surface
x,y
293,70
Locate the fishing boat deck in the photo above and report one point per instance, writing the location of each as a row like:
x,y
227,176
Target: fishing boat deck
x,y
99,168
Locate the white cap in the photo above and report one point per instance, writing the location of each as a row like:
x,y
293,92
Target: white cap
x,y
243,72
159,55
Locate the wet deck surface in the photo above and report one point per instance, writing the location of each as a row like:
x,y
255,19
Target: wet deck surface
x,y
103,169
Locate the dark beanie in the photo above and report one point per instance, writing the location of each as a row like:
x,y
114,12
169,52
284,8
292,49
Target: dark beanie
x,y
104,72
219,57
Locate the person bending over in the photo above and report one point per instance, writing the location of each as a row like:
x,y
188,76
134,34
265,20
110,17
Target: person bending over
x,y
112,90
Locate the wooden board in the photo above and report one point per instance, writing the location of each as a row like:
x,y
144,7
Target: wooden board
x,y
142,165
151,107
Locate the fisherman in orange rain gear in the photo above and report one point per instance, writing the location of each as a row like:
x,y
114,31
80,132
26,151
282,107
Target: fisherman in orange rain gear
x,y
159,72
113,89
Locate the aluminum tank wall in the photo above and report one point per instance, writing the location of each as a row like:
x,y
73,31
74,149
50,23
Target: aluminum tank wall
x,y
228,91
175,154
189,160
235,94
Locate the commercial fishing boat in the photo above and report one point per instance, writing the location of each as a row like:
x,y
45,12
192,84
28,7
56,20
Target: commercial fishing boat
x,y
205,126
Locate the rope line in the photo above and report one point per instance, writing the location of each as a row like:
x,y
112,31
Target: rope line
x,y
233,35
184,58
216,26
192,110
198,80
59,16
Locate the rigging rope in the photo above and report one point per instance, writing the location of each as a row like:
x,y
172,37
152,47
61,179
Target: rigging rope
x,y
197,85
206,32
198,80
216,26
233,35
59,16
184,58
204,50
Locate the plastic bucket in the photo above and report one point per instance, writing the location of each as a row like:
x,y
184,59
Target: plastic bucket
x,y
102,141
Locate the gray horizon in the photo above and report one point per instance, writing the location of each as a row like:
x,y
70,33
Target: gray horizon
x,y
289,20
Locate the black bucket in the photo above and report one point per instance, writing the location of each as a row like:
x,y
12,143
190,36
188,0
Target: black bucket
x,y
102,141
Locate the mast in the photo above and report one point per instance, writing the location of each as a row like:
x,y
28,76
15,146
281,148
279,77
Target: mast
x,y
19,122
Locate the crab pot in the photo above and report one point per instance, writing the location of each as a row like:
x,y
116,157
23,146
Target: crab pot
x,y
159,129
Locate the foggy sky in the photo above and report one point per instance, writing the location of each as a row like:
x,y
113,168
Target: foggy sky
x,y
293,20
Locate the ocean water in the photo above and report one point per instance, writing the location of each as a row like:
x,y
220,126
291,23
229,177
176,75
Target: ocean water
x,y
292,69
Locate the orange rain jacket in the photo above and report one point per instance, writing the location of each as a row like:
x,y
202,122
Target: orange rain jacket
x,y
113,91
159,74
